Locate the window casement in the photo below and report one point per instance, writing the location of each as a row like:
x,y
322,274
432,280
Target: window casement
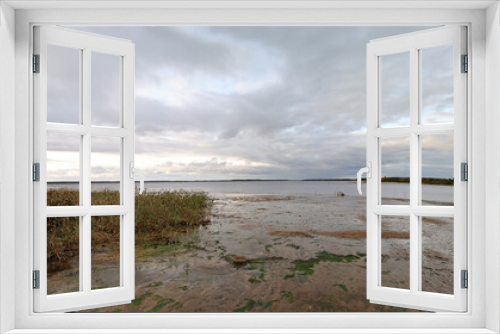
x,y
415,134
83,133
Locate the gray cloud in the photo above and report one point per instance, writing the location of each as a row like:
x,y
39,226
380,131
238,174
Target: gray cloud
x,y
262,102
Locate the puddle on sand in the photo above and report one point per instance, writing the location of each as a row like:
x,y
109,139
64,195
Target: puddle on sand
x,y
267,254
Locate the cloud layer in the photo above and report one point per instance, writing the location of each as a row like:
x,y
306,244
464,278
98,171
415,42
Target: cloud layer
x,y
256,102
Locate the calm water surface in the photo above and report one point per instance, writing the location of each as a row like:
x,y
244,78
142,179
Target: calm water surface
x,y
390,190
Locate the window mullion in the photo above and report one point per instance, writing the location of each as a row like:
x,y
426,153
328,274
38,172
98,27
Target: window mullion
x,y
414,170
85,239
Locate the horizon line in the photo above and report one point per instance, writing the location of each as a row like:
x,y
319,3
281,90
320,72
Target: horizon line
x,y
232,180
253,180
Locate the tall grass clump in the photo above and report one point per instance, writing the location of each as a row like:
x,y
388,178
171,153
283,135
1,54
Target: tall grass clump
x,y
63,197
160,217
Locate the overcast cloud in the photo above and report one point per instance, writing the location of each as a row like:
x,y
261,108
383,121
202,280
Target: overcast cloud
x,y
253,102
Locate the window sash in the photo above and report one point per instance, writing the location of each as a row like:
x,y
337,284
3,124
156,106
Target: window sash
x,y
413,298
85,298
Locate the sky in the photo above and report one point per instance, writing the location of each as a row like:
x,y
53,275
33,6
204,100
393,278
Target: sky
x,y
222,103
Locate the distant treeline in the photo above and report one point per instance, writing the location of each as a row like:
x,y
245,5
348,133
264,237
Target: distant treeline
x,y
425,180
233,180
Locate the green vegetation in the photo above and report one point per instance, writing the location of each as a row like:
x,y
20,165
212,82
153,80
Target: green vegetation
x,y
342,286
288,294
138,301
330,257
258,278
247,307
425,180
155,284
253,279
305,267
269,304
161,217
162,302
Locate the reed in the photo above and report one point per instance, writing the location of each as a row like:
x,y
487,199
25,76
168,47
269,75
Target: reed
x,y
160,218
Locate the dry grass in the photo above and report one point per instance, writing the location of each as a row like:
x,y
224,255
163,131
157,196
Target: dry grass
x,y
160,217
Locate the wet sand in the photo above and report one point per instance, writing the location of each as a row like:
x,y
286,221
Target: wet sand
x,y
275,253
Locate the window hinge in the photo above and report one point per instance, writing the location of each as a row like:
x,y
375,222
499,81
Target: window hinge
x,y
464,171
36,63
465,279
36,172
36,279
465,64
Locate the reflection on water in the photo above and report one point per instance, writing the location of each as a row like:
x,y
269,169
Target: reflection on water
x,y
301,250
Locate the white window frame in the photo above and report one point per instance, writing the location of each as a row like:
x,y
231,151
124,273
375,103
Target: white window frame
x,y
483,314
413,44
86,44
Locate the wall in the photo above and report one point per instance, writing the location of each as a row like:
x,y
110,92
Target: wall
x,y
7,158
492,164
281,17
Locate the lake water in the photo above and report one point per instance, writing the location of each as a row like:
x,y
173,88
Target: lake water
x,y
390,190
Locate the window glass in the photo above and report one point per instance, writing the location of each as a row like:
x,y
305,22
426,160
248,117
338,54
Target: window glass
x,y
395,90
437,169
395,170
437,254
437,85
395,252
63,84
106,170
106,90
63,169
105,252
63,255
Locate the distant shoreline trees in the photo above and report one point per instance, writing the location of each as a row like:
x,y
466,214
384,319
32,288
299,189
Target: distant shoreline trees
x,y
425,180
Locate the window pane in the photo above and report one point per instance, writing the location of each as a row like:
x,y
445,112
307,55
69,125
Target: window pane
x,y
437,254
106,90
395,170
395,90
63,255
437,169
63,85
437,84
63,169
106,170
105,252
395,252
